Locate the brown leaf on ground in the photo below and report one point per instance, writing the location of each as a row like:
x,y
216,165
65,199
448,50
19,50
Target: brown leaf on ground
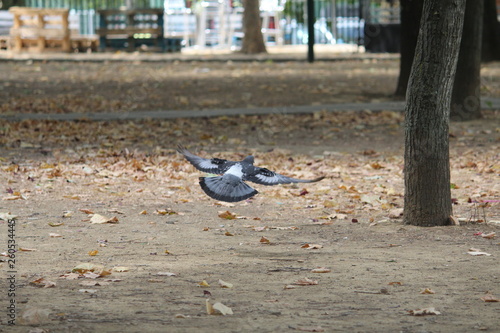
x,y
424,312
100,219
427,291
42,283
264,240
224,284
90,267
227,215
490,235
321,270
25,249
489,298
305,282
217,308
70,276
312,246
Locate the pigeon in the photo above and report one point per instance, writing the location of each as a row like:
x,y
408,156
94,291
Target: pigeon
x,y
229,185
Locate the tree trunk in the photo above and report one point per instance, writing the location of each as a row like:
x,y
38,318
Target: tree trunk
x,y
466,97
411,11
427,166
253,41
491,32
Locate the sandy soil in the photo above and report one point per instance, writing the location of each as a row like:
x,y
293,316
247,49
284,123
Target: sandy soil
x,y
168,237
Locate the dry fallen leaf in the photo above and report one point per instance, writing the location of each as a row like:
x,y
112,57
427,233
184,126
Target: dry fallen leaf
x,y
217,308
227,215
321,270
396,213
12,197
424,312
7,216
396,283
427,291
227,233
181,316
90,267
203,284
490,298
121,269
479,253
99,219
454,220
70,276
93,253
264,240
224,284
311,246
490,235
167,211
305,282
42,283
86,211
25,249
91,275
54,235
55,224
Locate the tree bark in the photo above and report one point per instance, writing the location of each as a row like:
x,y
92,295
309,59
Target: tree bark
x,y
466,97
411,11
491,32
253,41
427,166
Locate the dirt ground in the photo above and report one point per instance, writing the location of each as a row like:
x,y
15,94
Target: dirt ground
x,y
165,247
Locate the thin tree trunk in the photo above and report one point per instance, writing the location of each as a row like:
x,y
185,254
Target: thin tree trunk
x,y
411,11
466,97
491,32
253,41
427,166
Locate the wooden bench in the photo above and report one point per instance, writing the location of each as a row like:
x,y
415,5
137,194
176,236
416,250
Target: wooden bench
x,y
130,28
40,29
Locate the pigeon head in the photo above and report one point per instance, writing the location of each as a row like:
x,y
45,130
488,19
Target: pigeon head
x,y
249,159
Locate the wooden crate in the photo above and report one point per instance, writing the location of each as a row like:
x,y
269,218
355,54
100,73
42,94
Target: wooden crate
x,y
40,29
130,28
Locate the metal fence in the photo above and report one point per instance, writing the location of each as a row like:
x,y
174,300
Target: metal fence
x,y
208,22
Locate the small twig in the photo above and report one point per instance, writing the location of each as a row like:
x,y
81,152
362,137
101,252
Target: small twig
x,y
382,291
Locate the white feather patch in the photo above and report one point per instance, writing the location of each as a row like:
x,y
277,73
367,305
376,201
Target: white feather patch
x,y
235,170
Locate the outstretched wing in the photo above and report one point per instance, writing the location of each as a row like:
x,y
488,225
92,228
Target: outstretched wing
x,y
212,165
264,176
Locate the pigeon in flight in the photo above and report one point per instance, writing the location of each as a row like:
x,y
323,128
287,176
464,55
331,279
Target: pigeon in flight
x,y
230,185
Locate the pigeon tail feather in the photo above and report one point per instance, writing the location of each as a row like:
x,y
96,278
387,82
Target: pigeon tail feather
x,y
227,188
